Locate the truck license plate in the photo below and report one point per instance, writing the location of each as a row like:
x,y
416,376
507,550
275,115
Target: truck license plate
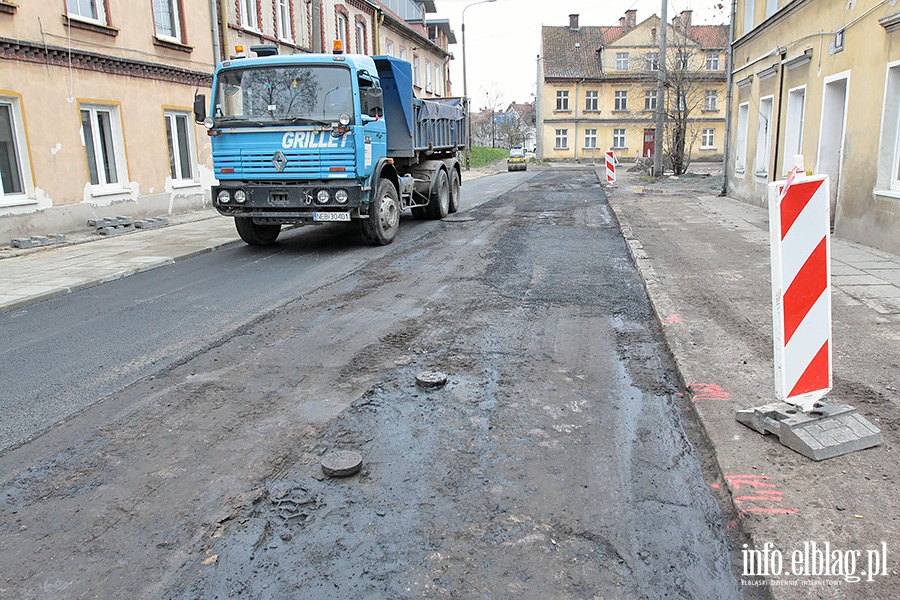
x,y
331,216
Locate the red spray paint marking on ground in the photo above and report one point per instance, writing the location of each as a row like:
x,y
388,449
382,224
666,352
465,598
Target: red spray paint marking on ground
x,y
707,391
761,491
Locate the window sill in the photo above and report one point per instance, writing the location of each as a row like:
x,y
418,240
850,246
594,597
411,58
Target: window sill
x,y
622,148
181,184
761,174
95,193
565,112
8,7
172,44
886,193
591,111
89,26
710,110
707,147
13,202
560,148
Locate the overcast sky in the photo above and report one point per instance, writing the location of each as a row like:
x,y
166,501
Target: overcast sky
x,y
503,38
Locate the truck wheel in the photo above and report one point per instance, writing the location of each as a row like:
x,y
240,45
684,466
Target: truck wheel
x,y
454,191
256,235
439,203
384,215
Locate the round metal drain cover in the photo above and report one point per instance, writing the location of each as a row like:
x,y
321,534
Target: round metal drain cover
x,y
342,463
431,379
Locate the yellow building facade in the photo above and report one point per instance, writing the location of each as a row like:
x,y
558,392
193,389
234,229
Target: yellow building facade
x,y
821,80
597,88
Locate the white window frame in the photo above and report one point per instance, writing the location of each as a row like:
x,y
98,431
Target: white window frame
x,y
711,100
749,9
175,151
682,60
389,47
590,138
888,175
403,54
793,125
249,9
764,136
621,61
650,98
20,157
117,143
619,139
592,100
740,145
361,38
712,61
429,78
171,11
562,99
76,8
771,7
708,139
621,100
653,61
562,139
283,20
417,75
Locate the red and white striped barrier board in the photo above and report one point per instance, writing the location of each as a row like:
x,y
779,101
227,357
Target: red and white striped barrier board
x,y
610,167
800,230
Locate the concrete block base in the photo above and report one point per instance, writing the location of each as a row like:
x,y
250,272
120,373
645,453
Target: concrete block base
x,y
828,431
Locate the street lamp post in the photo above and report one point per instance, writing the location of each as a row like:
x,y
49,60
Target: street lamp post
x,y
465,83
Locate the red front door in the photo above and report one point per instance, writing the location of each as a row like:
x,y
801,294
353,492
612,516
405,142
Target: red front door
x,y
649,142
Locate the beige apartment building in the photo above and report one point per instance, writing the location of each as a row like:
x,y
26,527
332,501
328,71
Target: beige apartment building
x,y
96,95
820,79
597,87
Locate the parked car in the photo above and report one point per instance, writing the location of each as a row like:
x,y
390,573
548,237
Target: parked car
x,y
516,160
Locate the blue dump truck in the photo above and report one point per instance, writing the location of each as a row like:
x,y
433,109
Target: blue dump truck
x,y
311,138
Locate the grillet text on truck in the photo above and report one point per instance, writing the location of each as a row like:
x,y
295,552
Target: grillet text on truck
x,y
310,138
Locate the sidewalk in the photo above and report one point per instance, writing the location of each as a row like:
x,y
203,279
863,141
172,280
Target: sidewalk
x,y
88,259
705,263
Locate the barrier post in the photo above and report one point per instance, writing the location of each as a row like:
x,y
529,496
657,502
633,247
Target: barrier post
x,y
610,167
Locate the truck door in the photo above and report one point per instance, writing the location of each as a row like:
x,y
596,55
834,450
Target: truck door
x,y
371,145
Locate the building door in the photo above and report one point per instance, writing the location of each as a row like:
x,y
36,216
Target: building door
x,y
649,142
831,138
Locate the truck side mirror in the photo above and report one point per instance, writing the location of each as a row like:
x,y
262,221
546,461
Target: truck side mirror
x,y
199,107
375,101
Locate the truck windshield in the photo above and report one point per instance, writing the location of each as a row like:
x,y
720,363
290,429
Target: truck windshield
x,y
288,94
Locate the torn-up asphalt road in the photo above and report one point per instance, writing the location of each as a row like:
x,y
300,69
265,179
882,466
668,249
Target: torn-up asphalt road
x,y
554,463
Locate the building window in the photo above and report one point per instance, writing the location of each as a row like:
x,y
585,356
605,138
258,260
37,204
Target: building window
x,y
166,16
793,127
402,53
361,46
342,31
653,61
711,100
429,80
592,100
682,60
12,176
590,138
621,100
708,140
103,146
562,139
562,100
621,61
417,81
92,10
762,136
712,61
619,138
680,101
649,99
888,176
179,130
249,9
389,47
749,7
740,146
283,20
771,7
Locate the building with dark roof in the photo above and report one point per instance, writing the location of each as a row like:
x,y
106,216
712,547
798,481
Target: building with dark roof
x,y
597,87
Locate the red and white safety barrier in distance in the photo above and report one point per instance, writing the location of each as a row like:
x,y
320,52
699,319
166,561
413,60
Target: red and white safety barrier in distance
x,y
800,230
610,167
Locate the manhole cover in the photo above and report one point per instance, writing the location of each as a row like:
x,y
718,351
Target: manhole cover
x,y
342,463
431,379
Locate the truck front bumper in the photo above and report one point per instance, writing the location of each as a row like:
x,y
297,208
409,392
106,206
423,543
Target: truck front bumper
x,y
287,203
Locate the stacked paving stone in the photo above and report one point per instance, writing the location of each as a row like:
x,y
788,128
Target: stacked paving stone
x,y
36,241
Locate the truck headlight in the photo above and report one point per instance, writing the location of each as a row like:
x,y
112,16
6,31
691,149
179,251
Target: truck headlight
x,y
224,197
341,196
323,197
344,119
240,196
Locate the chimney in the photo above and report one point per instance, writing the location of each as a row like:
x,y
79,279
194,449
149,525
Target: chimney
x,y
573,22
686,19
630,19
621,21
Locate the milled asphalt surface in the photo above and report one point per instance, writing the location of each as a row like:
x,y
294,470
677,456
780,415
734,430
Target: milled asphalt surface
x,y
715,314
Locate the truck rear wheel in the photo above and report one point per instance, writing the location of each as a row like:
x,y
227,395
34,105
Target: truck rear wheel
x,y
254,234
454,191
439,203
384,215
